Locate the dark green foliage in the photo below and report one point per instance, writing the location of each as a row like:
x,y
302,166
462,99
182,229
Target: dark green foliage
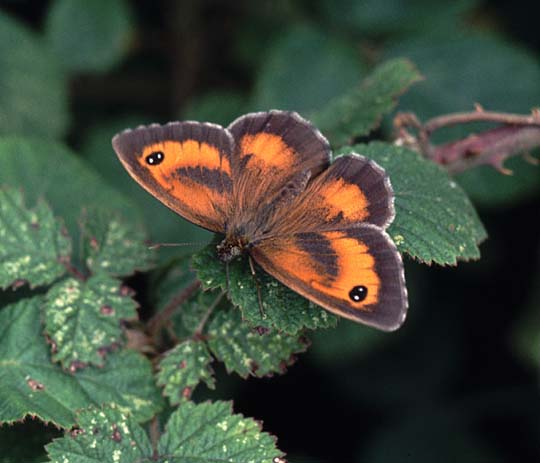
x,y
128,352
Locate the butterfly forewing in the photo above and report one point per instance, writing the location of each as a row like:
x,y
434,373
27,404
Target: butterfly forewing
x,y
186,165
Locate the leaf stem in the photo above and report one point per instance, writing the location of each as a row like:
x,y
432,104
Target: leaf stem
x,y
204,319
156,323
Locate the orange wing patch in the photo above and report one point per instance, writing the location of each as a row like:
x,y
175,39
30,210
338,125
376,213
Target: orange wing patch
x,y
268,149
356,268
339,198
356,273
352,191
188,153
185,165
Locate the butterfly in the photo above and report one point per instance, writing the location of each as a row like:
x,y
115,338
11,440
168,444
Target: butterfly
x,y
267,185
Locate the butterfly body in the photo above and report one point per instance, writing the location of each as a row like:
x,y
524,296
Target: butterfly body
x,y
266,183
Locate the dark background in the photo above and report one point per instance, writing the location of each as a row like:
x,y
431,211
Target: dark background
x,y
459,381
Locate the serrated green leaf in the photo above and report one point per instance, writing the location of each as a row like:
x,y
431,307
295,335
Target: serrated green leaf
x,y
360,110
203,433
183,368
114,247
69,185
106,435
247,352
435,221
31,385
284,309
34,246
89,36
304,69
83,319
32,85
210,433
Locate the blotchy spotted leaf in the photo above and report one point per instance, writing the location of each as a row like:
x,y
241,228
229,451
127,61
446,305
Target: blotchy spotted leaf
x,y
435,221
284,309
83,319
114,247
360,110
210,433
33,244
104,435
203,433
247,352
183,368
31,385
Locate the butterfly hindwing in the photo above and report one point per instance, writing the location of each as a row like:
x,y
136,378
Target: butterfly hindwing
x,y
186,165
351,191
354,272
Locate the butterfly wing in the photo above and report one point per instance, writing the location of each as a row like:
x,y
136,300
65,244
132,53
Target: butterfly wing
x,y
353,190
330,245
186,165
273,149
354,272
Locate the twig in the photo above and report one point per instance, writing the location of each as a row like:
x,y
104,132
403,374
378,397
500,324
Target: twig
x,y
202,323
515,134
156,323
154,434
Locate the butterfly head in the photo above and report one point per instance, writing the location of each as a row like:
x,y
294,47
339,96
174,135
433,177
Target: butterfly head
x,y
231,247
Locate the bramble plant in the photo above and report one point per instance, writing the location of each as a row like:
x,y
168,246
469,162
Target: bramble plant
x,y
114,344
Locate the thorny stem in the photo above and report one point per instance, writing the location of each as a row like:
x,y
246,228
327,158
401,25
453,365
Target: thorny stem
x,y
156,323
515,134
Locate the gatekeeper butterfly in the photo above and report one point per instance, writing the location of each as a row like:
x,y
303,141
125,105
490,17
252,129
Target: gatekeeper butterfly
x,y
266,183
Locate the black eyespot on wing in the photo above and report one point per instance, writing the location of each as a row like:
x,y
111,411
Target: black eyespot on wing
x,y
358,293
155,158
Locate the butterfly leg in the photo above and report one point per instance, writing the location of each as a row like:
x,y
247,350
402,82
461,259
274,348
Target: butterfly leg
x,y
257,284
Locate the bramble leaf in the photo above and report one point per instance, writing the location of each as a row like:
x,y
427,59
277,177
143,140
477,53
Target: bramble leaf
x,y
31,385
203,433
435,221
183,368
284,309
106,435
247,352
89,36
83,319
360,110
33,245
114,247
69,184
210,433
33,88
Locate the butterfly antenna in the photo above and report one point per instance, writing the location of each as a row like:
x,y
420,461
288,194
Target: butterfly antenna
x,y
171,245
257,284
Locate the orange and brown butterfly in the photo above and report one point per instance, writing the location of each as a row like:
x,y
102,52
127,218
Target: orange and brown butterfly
x,y
266,183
